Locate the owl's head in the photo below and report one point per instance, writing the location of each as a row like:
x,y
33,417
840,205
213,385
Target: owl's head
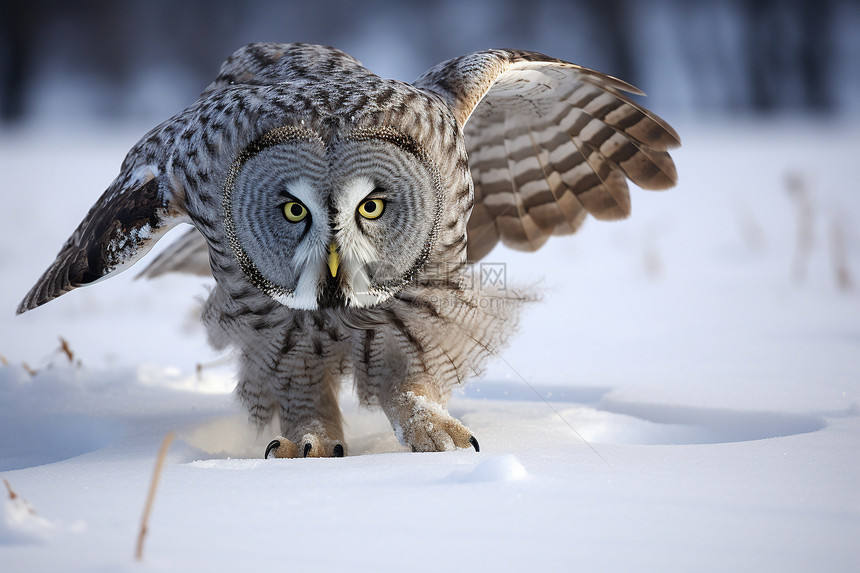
x,y
317,224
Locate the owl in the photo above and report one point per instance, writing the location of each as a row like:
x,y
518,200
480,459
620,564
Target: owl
x,y
340,215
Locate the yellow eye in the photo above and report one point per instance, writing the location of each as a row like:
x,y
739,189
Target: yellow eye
x,y
371,209
295,212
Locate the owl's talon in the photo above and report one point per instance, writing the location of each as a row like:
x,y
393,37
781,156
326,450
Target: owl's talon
x,y
281,447
423,424
273,445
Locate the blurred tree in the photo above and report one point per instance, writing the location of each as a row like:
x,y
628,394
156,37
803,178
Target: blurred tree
x,y
16,19
790,49
774,54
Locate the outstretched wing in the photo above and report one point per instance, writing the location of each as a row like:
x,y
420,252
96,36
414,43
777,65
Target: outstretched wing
x,y
134,212
178,158
548,142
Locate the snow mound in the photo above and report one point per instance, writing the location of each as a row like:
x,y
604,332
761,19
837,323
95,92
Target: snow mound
x,y
496,469
684,399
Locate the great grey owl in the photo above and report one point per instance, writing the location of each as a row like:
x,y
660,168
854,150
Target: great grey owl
x,y
340,213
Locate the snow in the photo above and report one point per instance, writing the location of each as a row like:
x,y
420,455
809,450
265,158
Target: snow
x,y
686,396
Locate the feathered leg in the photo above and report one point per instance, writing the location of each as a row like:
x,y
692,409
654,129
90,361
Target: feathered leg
x,y
311,421
390,372
291,364
417,413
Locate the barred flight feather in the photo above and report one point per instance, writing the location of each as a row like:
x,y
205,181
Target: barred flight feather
x,y
564,130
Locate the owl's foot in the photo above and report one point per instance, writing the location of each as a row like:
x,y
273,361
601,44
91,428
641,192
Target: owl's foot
x,y
426,426
310,446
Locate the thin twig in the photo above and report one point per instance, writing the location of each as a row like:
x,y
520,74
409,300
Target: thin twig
x,y
153,486
839,256
12,494
799,191
67,350
201,366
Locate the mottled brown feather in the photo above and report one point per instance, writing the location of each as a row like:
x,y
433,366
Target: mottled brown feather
x,y
566,138
125,223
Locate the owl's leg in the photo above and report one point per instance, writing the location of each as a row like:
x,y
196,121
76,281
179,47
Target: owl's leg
x,y
417,413
311,422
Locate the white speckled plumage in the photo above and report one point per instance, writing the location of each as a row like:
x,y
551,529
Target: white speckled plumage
x,y
499,145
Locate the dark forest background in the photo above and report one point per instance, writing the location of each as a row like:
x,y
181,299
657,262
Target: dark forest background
x,y
145,59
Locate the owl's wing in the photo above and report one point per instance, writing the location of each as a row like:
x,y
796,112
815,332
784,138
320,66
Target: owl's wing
x,y
135,211
133,214
548,142
188,254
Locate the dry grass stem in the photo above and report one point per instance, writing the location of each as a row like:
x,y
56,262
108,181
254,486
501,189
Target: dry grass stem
x,y
799,191
153,486
66,349
201,366
12,494
839,256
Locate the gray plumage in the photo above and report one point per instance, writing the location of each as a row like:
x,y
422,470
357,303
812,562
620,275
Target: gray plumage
x,y
339,212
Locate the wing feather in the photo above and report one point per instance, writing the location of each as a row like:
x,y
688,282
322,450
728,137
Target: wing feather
x,y
188,254
548,141
120,228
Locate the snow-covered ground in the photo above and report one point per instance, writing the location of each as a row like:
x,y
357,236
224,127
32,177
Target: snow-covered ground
x,y
685,398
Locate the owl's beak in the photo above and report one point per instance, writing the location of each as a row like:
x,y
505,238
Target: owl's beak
x,y
333,259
